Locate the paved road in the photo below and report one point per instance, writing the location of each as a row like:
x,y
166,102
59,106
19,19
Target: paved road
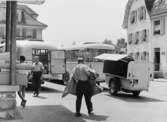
x,y
50,107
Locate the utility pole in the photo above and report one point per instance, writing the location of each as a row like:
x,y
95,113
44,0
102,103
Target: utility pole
x,y
13,43
11,13
8,25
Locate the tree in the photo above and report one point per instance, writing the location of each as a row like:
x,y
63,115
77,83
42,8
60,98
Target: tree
x,y
121,45
106,41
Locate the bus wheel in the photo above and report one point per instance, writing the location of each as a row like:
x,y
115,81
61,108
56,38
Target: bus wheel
x,y
136,93
112,87
66,77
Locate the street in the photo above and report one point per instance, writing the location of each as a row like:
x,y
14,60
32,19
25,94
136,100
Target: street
x,y
50,107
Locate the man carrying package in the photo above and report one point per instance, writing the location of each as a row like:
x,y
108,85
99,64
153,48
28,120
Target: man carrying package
x,y
80,84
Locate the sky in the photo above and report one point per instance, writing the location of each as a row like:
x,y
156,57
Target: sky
x,y
81,21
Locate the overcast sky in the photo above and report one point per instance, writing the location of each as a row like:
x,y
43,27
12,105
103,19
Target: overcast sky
x,y
81,20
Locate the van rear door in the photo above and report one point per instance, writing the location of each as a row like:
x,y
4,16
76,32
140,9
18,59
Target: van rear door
x,y
58,65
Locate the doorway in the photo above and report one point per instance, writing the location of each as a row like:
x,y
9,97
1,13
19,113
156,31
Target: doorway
x,y
157,59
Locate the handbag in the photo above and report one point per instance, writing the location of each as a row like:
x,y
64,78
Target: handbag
x,y
96,89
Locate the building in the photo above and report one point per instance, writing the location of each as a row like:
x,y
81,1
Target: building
x,y
28,27
146,24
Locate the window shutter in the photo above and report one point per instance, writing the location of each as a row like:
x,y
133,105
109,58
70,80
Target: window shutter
x,y
144,13
163,26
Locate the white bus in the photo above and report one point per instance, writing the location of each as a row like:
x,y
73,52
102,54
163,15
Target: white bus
x,y
88,51
53,59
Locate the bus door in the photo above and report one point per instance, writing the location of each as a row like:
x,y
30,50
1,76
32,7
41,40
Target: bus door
x,y
58,64
43,57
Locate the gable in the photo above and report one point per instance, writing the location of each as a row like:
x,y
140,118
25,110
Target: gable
x,y
133,4
29,20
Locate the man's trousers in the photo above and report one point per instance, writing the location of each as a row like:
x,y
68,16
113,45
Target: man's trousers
x,y
83,88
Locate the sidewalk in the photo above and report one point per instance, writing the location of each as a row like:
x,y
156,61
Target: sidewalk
x,y
160,80
53,113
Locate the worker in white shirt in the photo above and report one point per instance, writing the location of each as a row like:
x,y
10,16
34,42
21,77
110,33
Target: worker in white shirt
x,y
80,74
37,74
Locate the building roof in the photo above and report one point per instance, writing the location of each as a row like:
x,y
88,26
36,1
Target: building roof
x,y
91,46
152,6
160,6
127,13
29,14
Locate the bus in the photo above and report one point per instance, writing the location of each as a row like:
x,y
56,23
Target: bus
x,y
52,58
88,51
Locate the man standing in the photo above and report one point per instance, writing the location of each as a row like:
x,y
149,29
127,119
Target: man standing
x,y
81,74
37,74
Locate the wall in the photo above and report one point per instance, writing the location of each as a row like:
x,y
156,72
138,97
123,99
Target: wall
x,y
137,27
160,41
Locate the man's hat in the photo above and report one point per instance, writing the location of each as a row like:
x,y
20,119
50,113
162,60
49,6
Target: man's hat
x,y
80,59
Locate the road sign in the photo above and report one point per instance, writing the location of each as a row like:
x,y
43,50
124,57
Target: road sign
x,y
28,1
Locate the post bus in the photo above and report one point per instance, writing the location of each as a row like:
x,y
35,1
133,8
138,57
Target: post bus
x,y
88,51
52,58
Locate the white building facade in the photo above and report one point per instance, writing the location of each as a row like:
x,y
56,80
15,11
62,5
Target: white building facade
x,y
28,27
147,32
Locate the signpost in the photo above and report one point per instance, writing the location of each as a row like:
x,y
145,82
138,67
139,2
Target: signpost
x,y
38,2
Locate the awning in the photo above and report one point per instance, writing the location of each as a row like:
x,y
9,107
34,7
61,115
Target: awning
x,y
111,57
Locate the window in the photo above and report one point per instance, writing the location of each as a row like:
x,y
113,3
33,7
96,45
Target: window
x,y
157,27
133,17
130,38
29,33
2,31
144,35
136,37
34,33
142,13
137,56
145,56
18,32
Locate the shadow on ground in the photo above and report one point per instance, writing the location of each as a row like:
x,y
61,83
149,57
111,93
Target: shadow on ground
x,y
44,90
57,113
130,98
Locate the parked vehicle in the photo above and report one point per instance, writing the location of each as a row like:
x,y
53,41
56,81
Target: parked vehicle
x,y
88,51
53,59
122,73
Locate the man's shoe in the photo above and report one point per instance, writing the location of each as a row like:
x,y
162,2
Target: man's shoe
x,y
23,103
78,114
91,113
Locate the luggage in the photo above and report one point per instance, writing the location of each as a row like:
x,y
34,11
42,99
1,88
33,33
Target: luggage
x,y
71,88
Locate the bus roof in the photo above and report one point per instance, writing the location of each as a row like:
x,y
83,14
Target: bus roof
x,y
91,46
33,44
